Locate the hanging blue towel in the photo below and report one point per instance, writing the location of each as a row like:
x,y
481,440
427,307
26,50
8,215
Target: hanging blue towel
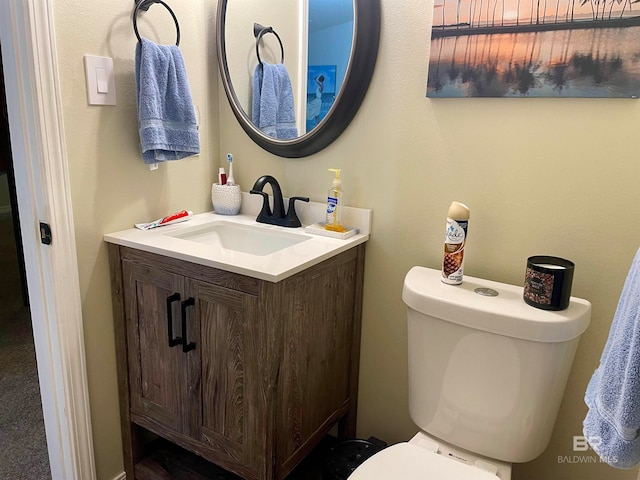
x,y
273,109
612,423
166,116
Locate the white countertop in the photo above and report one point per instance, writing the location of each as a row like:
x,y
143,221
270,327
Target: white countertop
x,y
273,267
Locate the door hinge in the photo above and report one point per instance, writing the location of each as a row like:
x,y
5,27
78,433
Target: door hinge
x,y
45,233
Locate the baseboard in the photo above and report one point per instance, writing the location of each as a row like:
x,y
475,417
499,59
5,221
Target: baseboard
x,y
122,476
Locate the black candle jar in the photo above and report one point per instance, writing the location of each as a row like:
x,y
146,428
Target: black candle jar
x,y
547,282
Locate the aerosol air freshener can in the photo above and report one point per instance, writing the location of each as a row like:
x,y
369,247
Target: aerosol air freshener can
x,y
454,243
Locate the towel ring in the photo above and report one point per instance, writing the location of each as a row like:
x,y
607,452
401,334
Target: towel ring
x,y
259,31
144,4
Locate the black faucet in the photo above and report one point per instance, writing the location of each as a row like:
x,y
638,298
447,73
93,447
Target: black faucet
x,y
278,216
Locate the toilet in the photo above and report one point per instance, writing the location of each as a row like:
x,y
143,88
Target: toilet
x,y
487,373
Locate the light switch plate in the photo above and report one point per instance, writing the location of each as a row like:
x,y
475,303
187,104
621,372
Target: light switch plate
x,y
101,83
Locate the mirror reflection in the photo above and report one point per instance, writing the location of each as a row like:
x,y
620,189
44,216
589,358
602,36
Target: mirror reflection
x,y
290,101
324,90
330,39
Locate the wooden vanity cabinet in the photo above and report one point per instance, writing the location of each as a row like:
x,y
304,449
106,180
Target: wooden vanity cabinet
x,y
245,373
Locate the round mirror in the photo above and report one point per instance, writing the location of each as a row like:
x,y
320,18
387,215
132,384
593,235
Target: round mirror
x,y
328,49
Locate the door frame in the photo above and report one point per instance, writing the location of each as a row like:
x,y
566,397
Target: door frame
x,y
27,38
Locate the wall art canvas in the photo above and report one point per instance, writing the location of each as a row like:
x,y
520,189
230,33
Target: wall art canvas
x,y
321,93
535,48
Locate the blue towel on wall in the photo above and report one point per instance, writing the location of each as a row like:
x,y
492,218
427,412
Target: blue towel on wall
x,y
612,423
166,116
273,109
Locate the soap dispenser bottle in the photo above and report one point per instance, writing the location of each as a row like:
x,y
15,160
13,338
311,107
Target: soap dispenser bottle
x,y
334,204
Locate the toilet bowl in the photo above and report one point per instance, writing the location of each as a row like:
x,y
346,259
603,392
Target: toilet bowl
x,y
487,373
425,458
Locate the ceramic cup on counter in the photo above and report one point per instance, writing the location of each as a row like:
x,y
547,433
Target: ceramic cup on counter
x,y
226,199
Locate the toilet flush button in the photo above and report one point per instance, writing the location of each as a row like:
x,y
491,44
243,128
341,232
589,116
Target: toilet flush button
x,y
486,292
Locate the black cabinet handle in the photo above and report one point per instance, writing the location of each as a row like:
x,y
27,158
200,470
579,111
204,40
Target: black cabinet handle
x,y
173,341
186,346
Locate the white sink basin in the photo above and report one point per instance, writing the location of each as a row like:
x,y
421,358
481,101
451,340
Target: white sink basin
x,y
252,239
236,243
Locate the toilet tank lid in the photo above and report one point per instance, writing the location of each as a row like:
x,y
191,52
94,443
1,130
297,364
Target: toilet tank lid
x,y
506,314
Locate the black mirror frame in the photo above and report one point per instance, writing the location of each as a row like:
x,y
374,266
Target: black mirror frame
x,y
364,53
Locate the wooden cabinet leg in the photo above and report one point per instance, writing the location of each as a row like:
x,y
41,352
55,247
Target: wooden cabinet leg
x,y
347,425
131,449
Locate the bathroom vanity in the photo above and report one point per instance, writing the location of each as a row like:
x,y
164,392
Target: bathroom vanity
x,y
248,369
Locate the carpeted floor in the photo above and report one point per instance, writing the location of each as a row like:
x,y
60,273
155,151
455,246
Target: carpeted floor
x,y
23,449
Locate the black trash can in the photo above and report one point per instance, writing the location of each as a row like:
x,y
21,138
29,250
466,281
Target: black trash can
x,y
344,457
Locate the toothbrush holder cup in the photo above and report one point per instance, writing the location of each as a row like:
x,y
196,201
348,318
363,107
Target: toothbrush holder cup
x,y
226,199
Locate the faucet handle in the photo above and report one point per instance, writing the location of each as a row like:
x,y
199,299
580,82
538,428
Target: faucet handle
x,y
292,220
266,210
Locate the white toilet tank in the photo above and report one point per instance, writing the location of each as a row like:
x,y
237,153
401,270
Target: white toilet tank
x,y
487,373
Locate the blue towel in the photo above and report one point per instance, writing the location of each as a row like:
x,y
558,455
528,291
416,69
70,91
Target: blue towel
x,y
612,423
166,116
273,109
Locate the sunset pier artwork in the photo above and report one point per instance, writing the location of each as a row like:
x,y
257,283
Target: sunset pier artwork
x,y
535,48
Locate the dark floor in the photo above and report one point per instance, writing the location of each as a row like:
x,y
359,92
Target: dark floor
x,y
330,460
169,461
23,452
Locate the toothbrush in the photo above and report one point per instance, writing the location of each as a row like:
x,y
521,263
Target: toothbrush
x,y
230,180
168,220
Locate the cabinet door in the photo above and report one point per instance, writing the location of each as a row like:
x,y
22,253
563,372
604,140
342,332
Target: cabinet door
x,y
225,412
157,366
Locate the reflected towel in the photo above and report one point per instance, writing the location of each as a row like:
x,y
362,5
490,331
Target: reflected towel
x,y
273,109
166,116
612,423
